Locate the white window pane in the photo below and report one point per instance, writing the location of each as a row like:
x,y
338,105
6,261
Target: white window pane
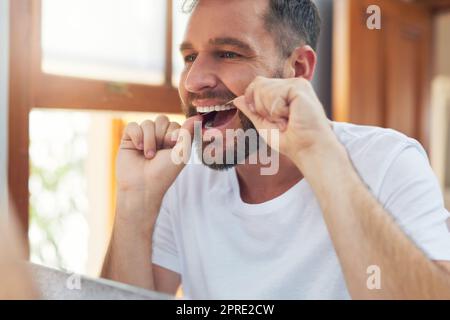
x,y
180,21
118,40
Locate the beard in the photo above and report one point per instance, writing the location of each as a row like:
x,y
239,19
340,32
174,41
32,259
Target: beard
x,y
245,125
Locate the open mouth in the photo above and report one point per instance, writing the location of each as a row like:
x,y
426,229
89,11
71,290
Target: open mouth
x,y
217,116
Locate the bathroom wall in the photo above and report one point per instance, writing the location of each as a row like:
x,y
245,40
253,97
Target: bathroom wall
x,y
441,110
322,79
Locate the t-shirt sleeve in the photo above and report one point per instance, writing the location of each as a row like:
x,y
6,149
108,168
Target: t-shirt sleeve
x,y
411,193
165,252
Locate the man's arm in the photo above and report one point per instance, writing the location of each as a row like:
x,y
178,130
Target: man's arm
x,y
145,171
364,234
445,265
130,254
166,281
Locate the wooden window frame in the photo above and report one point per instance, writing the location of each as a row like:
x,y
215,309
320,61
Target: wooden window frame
x,y
31,88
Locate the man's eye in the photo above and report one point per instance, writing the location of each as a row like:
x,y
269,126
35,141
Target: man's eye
x,y
190,58
228,55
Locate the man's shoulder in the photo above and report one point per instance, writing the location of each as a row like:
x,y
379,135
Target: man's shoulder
x,y
363,141
374,150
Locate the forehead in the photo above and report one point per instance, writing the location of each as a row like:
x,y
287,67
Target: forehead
x,y
240,19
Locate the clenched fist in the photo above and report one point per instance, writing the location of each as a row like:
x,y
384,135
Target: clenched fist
x,y
145,166
290,106
144,160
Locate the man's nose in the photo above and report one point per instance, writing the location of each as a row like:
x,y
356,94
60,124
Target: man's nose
x,y
201,76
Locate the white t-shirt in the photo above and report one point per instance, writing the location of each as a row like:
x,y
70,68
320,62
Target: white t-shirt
x,y
224,248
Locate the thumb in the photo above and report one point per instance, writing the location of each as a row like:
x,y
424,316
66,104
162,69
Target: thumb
x,y
190,124
184,137
186,131
242,106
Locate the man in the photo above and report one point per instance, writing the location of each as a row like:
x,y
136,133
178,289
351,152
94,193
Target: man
x,y
346,199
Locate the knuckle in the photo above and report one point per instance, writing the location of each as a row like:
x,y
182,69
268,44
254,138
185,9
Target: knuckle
x,y
133,130
162,119
272,94
174,126
294,88
260,79
147,124
132,126
148,132
249,89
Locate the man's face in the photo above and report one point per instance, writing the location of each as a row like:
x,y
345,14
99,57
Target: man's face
x,y
226,46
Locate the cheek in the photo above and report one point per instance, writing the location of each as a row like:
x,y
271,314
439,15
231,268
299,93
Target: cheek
x,y
237,80
181,89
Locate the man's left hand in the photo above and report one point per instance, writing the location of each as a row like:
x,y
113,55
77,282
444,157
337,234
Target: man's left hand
x,y
292,107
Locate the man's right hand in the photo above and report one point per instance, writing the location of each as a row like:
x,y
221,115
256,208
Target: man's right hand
x,y
145,171
145,167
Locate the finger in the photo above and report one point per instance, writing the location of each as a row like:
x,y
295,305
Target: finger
x,y
185,134
133,133
148,128
260,91
241,104
189,124
170,139
249,96
260,106
279,109
128,145
282,124
161,126
181,152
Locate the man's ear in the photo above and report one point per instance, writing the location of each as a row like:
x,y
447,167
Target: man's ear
x,y
302,63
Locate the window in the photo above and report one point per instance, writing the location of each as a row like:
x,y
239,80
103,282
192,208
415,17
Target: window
x,y
117,40
180,21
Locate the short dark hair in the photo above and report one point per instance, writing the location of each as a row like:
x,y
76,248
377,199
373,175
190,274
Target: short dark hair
x,y
291,22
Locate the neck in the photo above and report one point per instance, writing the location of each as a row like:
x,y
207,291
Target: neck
x,y
256,188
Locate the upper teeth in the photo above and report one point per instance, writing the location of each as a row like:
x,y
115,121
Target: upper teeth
x,y
214,108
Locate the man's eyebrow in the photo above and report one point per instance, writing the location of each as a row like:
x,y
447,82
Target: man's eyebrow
x,y
186,46
227,41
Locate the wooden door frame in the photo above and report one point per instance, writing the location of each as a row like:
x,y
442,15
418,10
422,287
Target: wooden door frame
x,y
20,104
346,108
